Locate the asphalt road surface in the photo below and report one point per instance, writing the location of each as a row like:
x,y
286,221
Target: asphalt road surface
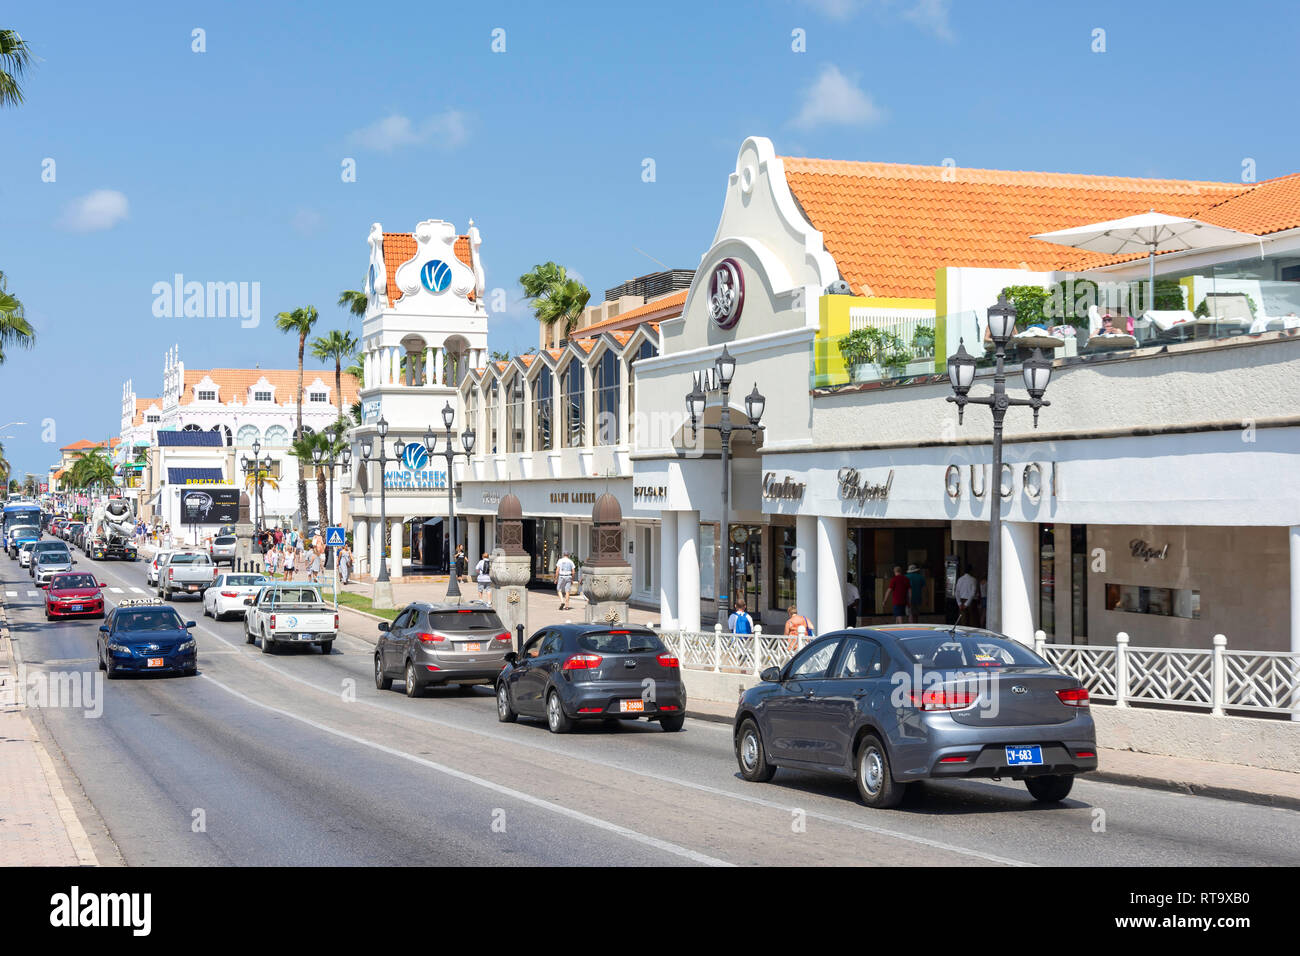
x,y
296,758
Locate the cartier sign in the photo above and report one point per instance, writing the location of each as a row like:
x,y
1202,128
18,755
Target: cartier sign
x,y
785,488
854,488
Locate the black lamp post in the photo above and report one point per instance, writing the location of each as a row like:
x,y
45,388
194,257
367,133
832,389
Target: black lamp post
x,y
367,452
754,405
467,443
333,461
257,466
1036,371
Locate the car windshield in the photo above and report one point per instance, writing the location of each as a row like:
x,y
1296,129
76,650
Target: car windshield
x,y
64,581
147,619
52,557
22,529
245,580
620,642
189,559
944,650
465,621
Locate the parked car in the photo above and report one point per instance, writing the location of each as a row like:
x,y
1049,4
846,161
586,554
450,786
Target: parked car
x,y
290,613
438,644
228,592
185,572
223,549
891,705
47,562
74,594
151,573
145,636
574,672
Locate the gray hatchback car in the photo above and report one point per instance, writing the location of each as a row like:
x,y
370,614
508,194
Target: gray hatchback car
x,y
892,705
436,644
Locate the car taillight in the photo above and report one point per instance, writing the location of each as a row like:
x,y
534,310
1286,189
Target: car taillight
x,y
502,637
230,594
953,759
670,707
667,660
583,662
435,638
336,622
943,699
1085,753
171,573
273,622
1074,697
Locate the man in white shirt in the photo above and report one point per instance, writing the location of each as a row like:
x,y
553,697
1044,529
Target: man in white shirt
x,y
564,569
967,588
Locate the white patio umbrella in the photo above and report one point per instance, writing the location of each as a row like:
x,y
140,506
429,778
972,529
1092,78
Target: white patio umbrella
x,y
1148,232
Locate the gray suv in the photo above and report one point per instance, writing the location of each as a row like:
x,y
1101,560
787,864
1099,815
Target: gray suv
x,y
438,644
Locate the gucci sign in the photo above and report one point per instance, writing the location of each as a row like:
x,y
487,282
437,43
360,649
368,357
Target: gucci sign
x,y
1031,481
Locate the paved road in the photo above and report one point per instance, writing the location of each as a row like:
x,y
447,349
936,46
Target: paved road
x,y
296,758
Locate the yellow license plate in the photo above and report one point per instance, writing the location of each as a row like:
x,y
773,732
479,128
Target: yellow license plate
x,y
631,706
155,662
474,648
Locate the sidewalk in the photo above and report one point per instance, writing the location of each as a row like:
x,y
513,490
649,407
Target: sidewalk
x,y
1274,788
38,825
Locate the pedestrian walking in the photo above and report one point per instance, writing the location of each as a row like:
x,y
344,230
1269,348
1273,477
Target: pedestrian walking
x,y
483,574
966,592
290,561
797,629
564,569
462,563
313,567
916,593
345,564
899,588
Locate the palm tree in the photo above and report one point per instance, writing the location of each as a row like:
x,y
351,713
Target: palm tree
x,y
251,484
15,59
337,346
556,297
91,469
4,465
29,485
300,322
303,449
354,301
14,327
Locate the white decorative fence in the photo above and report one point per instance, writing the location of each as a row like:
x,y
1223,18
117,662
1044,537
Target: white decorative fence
x,y
1214,678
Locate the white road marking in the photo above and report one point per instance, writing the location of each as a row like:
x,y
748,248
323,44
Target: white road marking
x,y
137,590
116,590
11,593
643,838
31,593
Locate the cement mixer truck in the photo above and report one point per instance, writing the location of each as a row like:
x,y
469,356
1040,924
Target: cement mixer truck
x,y
111,532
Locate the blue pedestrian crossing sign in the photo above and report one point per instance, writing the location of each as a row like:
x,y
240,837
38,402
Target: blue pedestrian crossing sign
x,y
334,537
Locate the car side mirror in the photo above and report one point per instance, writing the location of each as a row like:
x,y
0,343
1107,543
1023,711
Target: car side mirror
x,y
249,602
511,657
189,624
385,626
103,629
74,560
771,674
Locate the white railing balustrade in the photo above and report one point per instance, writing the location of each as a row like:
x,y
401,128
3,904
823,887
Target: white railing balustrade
x,y
1215,678
722,652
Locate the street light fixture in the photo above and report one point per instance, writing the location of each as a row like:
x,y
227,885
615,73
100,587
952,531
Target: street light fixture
x,y
1037,372
755,403
256,466
368,452
467,443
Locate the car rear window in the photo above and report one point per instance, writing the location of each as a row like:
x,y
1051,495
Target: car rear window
x,y
465,621
245,580
944,650
189,559
224,539
620,642
294,596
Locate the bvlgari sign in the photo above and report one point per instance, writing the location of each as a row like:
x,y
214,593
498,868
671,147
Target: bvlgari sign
x,y
853,487
726,293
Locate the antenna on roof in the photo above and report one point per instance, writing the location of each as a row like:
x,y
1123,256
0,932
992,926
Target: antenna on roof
x,y
651,258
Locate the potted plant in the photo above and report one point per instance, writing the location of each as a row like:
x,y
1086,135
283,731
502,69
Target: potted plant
x,y
879,350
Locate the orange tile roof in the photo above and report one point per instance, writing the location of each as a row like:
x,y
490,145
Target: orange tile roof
x,y
585,344
889,226
623,336
142,406
501,366
233,383
85,444
1270,206
401,247
665,307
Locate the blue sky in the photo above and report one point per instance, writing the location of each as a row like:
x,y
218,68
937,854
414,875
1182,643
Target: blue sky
x,y
225,165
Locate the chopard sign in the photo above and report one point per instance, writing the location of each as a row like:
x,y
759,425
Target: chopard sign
x,y
1146,552
853,488
785,488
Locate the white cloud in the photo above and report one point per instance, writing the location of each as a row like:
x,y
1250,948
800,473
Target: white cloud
x,y
932,16
447,130
929,15
95,212
836,9
837,100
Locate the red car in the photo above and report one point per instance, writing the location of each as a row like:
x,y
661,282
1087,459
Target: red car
x,y
72,594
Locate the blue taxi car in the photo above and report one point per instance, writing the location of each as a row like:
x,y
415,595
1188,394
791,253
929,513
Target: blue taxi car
x,y
146,637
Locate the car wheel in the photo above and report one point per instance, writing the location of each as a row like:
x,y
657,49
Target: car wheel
x,y
1050,788
266,644
752,755
413,688
48,615
326,647
876,785
557,722
674,723
248,635
100,661
109,672
505,713
192,671
381,682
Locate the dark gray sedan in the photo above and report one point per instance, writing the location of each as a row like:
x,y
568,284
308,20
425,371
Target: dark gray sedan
x,y
892,705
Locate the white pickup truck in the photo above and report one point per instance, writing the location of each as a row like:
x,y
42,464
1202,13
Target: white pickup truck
x,y
185,572
290,613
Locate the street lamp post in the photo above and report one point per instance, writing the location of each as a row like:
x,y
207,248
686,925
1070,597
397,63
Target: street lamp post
x,y
256,465
467,443
335,459
1036,371
754,405
367,451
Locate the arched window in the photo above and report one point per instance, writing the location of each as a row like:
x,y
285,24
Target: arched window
x,y
607,399
515,414
247,435
543,409
225,433
277,436
575,406
191,427
645,350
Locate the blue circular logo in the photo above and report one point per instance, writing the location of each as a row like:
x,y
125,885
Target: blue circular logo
x,y
436,275
415,456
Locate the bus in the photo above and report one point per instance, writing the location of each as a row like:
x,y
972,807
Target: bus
x,y
18,513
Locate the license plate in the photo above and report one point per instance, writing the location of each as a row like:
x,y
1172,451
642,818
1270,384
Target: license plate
x,y
1024,756
155,662
631,706
194,587
76,607
473,648
306,637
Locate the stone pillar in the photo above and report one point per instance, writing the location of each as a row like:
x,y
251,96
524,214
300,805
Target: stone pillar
x,y
511,570
473,547
1018,580
668,569
688,570
805,578
244,546
440,354
832,559
395,558
606,577
428,366
361,545
376,545
489,534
